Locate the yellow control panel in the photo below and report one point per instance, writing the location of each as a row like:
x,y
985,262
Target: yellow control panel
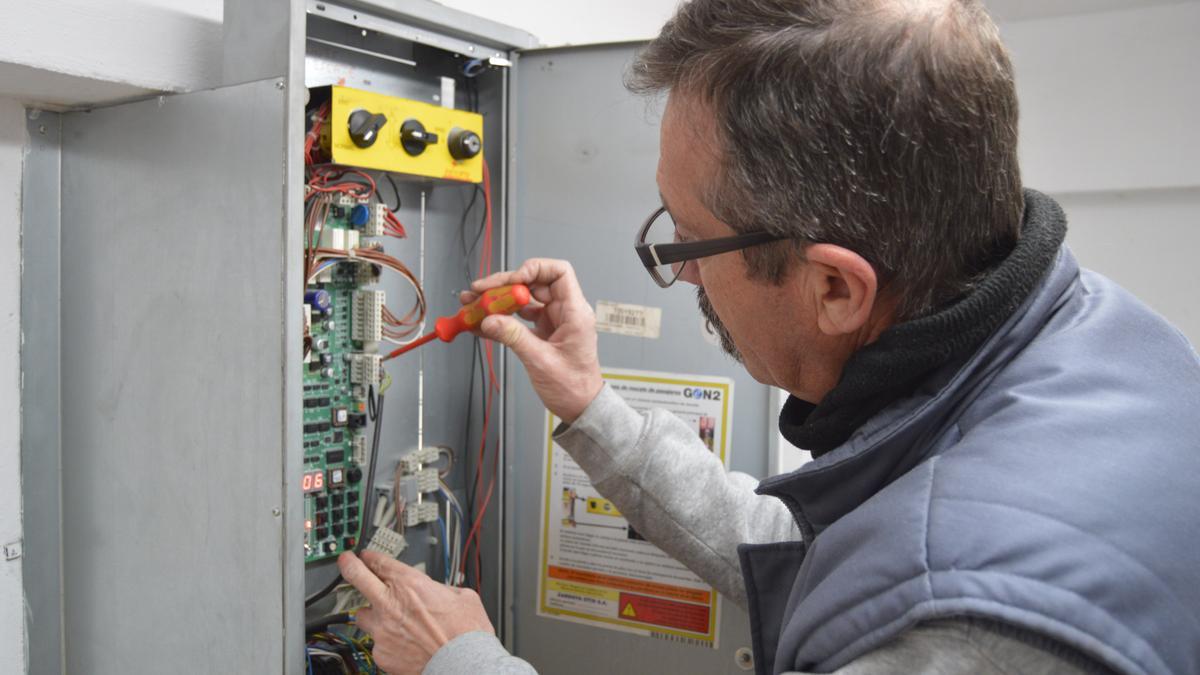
x,y
375,131
601,507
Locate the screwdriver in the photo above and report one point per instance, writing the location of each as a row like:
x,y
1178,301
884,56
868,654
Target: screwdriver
x,y
500,300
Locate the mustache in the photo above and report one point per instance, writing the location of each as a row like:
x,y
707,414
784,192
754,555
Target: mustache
x,y
715,326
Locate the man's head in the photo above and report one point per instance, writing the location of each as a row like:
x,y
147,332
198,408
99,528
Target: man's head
x,y
879,136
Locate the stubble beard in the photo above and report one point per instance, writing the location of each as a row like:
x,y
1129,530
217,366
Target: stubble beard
x,y
715,327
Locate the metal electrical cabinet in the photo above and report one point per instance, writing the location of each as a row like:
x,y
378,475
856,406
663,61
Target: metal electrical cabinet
x,y
162,447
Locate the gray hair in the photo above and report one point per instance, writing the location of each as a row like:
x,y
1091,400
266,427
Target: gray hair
x,y
888,127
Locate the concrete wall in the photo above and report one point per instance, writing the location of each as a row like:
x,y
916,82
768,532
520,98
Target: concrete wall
x,y
12,621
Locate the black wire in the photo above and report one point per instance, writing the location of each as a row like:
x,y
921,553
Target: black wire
x,y
323,623
367,527
395,191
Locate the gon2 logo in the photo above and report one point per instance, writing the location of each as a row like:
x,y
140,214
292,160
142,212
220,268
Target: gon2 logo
x,y
702,394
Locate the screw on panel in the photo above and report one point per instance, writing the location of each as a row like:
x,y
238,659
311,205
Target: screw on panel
x,y
42,129
12,550
280,84
744,658
276,512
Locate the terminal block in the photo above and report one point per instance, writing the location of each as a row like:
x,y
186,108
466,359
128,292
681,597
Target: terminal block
x,y
358,449
387,541
424,512
365,368
412,462
375,226
366,319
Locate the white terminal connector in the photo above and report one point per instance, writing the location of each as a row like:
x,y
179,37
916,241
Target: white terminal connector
x,y
427,480
366,318
339,238
411,463
425,512
345,200
386,540
358,449
364,369
376,226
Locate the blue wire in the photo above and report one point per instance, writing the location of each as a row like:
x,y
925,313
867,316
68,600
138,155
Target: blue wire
x,y
452,504
308,655
445,547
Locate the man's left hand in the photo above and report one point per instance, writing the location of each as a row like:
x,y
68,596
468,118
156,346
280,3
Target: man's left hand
x,y
411,616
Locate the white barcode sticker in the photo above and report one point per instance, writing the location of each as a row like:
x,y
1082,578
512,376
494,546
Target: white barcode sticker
x,y
623,319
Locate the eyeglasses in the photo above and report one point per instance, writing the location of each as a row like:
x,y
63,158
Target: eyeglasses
x,y
665,256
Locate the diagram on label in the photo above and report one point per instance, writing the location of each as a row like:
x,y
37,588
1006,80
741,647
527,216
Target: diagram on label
x,y
595,567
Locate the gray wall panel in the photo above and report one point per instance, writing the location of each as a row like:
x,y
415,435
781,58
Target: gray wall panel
x,y
585,162
41,447
173,304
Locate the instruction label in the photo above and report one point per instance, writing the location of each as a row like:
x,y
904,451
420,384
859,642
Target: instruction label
x,y
595,568
624,319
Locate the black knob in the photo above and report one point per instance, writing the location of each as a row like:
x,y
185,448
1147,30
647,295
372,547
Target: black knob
x,y
364,127
464,144
414,138
354,474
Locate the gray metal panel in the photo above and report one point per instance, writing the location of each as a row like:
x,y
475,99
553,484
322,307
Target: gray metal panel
x,y
584,168
174,260
432,16
446,270
41,443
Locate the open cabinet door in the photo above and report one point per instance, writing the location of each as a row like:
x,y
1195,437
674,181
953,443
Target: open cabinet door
x,y
585,153
177,300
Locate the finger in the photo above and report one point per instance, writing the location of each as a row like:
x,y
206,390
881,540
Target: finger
x,y
531,312
514,335
356,573
389,569
467,297
365,620
558,274
493,280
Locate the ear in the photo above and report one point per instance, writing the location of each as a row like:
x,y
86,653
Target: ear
x,y
843,285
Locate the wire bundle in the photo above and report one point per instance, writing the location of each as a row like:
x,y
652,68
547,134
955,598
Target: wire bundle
x,y
329,651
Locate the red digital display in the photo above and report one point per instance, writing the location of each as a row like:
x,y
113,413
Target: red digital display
x,y
313,481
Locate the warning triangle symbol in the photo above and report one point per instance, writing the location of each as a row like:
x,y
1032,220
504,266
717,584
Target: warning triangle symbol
x,y
628,611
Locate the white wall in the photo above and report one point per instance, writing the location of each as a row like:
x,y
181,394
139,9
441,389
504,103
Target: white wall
x,y
12,620
1109,127
574,22
100,51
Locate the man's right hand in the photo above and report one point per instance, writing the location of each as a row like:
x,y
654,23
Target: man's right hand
x,y
559,352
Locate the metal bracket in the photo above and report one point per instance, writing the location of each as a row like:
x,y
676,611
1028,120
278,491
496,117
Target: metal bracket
x,y
12,550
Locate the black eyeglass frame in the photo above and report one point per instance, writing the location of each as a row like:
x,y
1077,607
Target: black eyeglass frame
x,y
654,256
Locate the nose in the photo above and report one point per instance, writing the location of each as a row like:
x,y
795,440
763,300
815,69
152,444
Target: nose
x,y
689,273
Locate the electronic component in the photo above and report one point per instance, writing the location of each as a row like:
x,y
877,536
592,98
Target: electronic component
x,y
339,417
364,368
318,299
382,132
423,512
387,541
359,215
375,225
358,453
366,323
314,481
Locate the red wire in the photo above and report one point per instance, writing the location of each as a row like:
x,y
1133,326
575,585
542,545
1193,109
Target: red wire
x,y
492,384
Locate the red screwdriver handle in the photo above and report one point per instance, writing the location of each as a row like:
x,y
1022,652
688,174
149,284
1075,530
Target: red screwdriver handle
x,y
501,300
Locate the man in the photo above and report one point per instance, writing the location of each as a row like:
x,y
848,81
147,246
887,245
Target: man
x,y
1005,444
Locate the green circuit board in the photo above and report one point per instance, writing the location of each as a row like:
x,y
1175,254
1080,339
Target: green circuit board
x,y
335,421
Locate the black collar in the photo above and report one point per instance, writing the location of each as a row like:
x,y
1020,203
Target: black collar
x,y
894,365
